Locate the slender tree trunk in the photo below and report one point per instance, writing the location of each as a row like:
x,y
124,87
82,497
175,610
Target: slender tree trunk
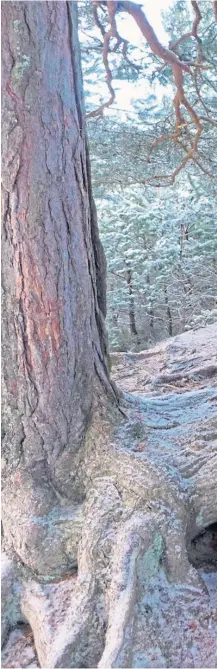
x,y
114,311
169,314
184,237
54,342
132,317
186,281
150,311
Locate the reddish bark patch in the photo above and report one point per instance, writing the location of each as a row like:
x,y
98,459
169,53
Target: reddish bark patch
x,y
42,313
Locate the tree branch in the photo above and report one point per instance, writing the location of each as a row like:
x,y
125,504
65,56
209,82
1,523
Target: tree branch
x,y
169,58
177,66
106,40
112,32
146,29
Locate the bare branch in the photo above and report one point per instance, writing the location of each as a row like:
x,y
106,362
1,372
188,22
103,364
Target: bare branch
x,y
177,66
126,57
106,40
119,276
169,58
112,32
96,17
157,141
209,120
170,178
195,160
157,48
192,32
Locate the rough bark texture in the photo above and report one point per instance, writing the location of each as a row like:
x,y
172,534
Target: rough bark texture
x,y
145,591
54,342
102,511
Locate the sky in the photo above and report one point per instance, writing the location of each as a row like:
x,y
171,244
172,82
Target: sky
x,y
153,9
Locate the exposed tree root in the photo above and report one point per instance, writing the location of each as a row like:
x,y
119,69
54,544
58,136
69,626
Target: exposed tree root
x,y
20,650
204,372
135,598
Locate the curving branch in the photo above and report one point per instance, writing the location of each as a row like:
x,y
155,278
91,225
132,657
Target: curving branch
x,y
198,17
111,33
193,32
97,19
106,41
169,57
146,29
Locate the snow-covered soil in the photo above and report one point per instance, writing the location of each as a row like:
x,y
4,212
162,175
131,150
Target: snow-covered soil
x,y
181,363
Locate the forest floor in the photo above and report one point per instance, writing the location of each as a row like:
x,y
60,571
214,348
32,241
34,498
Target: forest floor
x,y
177,379
179,364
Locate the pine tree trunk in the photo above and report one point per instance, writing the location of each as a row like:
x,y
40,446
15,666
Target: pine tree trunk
x,y
54,342
100,506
